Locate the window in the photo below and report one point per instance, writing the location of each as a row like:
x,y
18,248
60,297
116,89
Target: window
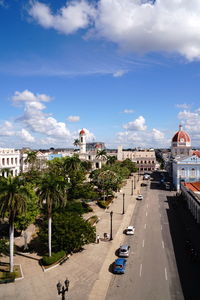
x,y
3,161
16,160
11,160
8,161
182,172
193,172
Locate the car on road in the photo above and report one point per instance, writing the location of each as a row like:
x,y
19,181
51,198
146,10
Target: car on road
x,y
130,230
119,266
124,251
144,184
139,197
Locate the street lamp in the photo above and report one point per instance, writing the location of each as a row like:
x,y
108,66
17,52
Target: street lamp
x,y
132,187
123,204
111,214
62,289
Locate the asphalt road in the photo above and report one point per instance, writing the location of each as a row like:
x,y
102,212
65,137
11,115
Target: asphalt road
x,y
151,272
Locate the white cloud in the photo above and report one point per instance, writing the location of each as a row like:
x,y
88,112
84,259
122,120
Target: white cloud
x,y
26,136
119,73
90,137
138,124
73,118
27,96
128,111
6,129
75,15
135,25
190,120
183,106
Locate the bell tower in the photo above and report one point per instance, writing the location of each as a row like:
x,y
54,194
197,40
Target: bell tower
x,y
82,139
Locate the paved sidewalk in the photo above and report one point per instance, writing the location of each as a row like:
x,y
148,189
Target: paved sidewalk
x,y
88,271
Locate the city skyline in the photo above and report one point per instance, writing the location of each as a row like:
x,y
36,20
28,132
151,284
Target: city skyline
x,y
96,65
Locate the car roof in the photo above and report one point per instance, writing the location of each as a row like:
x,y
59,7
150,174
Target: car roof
x,y
130,227
124,246
120,261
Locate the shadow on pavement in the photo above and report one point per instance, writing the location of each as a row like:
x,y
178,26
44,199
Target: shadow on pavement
x,y
185,233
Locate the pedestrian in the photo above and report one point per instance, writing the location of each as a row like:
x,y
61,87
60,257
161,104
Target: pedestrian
x,y
98,239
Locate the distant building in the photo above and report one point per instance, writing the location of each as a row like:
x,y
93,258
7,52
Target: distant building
x,y
9,162
191,193
94,146
145,160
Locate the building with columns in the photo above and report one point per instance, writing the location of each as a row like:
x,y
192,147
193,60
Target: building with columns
x,y
9,162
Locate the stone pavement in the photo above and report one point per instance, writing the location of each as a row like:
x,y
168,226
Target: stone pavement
x,y
88,271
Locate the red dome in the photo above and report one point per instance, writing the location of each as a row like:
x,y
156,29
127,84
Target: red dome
x,y
82,132
181,136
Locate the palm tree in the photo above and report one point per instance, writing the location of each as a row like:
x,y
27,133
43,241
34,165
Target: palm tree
x,y
51,192
111,160
76,142
13,197
72,164
101,154
31,158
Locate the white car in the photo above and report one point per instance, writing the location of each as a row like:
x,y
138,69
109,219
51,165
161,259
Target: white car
x,y
139,197
130,230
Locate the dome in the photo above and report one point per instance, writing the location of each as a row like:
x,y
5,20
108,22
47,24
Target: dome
x,y
82,132
181,136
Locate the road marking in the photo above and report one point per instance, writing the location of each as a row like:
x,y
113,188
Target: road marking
x,y
140,270
147,205
163,244
143,243
146,213
161,227
165,273
145,226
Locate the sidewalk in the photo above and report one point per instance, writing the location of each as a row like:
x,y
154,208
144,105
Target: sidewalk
x,y
88,271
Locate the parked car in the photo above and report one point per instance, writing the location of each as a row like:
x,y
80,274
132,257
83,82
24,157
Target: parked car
x,y
144,184
130,230
119,266
139,197
124,251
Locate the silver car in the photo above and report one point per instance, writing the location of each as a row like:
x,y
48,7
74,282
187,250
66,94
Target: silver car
x,y
124,251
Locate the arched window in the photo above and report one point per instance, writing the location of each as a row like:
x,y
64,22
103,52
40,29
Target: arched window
x,y
182,172
193,172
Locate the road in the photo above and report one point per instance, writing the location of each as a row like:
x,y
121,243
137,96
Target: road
x,y
151,271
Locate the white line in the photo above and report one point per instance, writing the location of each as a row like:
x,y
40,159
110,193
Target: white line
x,y
140,270
161,227
165,273
143,243
146,213
163,244
147,205
145,226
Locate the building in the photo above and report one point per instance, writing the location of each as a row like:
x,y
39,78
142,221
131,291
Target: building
x,y
185,169
181,144
9,162
145,160
94,146
191,193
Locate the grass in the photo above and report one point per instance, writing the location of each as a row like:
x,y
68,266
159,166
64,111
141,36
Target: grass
x,y
5,274
92,220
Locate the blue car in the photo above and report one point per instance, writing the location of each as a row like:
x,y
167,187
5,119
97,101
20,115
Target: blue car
x,y
119,266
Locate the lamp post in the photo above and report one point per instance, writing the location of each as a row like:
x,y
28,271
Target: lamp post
x,y
111,214
63,288
132,187
123,204
134,182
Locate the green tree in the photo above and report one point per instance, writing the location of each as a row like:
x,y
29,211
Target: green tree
x,y
13,200
52,193
32,210
70,232
76,142
108,182
101,154
111,160
31,159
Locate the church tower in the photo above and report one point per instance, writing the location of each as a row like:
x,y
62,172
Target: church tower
x,y
82,139
181,143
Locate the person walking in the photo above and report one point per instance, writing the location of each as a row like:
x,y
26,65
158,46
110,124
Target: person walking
x,y
98,239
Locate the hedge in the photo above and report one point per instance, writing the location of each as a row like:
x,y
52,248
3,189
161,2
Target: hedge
x,y
49,260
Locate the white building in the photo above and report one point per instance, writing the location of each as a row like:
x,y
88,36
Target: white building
x,y
9,162
145,159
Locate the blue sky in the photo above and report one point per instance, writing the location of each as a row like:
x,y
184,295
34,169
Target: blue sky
x,y
127,71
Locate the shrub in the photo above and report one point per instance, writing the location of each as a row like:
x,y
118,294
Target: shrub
x,y
103,204
49,260
92,220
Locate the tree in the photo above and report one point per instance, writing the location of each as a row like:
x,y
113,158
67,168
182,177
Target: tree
x,y
51,192
107,181
70,232
111,160
13,199
101,154
76,142
31,159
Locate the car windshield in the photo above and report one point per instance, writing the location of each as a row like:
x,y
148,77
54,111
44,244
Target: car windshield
x,y
123,250
129,229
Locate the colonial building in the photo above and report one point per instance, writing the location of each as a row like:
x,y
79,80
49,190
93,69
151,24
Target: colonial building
x,y
181,144
9,162
145,159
